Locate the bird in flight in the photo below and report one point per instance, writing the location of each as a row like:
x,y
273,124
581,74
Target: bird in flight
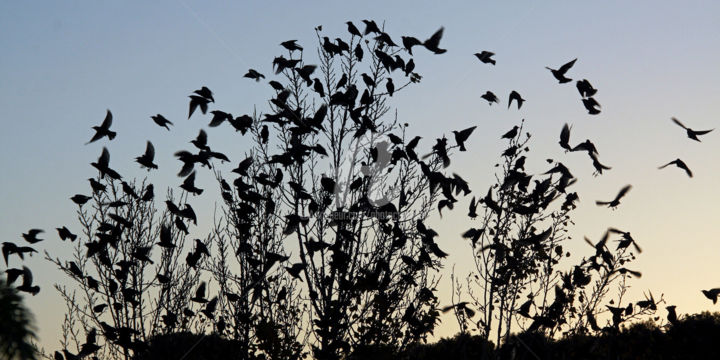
x,y
254,74
585,88
712,294
161,121
486,57
434,41
559,74
31,236
693,134
591,105
681,164
514,95
146,159
565,138
462,135
104,129
490,97
615,202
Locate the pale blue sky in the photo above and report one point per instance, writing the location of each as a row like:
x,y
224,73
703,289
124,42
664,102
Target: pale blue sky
x,y
63,63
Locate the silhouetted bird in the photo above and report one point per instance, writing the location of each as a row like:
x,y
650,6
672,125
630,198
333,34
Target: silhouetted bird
x,y
591,105
291,45
681,164
352,29
559,74
12,275
672,315
490,97
690,132
390,87
514,95
318,87
104,129
27,285
462,136
342,82
80,199
200,141
146,159
200,294
161,121
371,26
142,253
512,133
585,88
253,74
712,294
485,57
565,138
385,39
9,248
96,186
196,101
305,73
597,165
189,185
218,118
615,202
65,234
166,237
433,42
409,42
31,236
587,145
149,193
358,52
205,93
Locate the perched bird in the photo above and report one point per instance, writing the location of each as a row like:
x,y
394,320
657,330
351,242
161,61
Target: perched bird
x,y
490,97
585,88
291,45
514,95
462,136
486,57
390,87
96,186
371,26
433,42
672,315
104,129
385,39
31,236
80,199
146,159
712,294
565,138
65,234
559,74
615,202
161,121
352,29
149,193
690,132
253,74
318,87
681,164
512,133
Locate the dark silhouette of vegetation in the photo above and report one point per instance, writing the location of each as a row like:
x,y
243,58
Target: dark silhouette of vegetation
x,y
320,248
17,331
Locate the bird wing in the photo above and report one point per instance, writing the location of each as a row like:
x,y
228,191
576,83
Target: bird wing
x,y
664,166
702,132
623,191
563,69
108,120
565,134
27,277
675,120
434,40
104,159
150,151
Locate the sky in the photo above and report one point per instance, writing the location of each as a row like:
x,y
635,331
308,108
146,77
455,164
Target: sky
x,y
62,64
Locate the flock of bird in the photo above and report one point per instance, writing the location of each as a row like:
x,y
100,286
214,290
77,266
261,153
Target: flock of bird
x,y
201,98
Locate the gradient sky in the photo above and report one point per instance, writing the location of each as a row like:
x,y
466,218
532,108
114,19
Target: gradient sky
x,y
63,63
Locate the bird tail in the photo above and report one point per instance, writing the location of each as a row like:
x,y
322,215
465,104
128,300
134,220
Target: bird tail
x,y
111,135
